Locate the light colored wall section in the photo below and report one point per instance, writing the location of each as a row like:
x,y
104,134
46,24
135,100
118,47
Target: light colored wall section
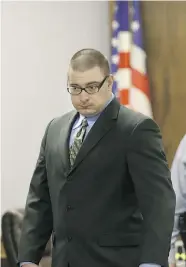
x,y
38,39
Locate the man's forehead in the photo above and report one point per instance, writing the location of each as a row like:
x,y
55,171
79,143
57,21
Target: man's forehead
x,y
83,77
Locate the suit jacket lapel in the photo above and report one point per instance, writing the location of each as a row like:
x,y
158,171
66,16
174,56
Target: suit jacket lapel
x,y
103,124
65,137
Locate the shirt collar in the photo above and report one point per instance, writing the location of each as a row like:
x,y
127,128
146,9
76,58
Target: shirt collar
x,y
78,122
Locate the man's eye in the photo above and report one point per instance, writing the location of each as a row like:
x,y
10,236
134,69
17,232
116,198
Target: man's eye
x,y
92,87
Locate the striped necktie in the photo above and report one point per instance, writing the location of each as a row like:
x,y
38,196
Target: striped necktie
x,y
78,140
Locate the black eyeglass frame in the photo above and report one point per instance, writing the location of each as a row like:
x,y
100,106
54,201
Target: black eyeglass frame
x,y
84,88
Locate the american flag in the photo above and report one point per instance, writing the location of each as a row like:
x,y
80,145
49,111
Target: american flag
x,y
128,60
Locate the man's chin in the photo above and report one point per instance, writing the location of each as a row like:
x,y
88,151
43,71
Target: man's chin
x,y
87,112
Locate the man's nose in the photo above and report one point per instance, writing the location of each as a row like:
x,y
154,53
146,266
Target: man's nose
x,y
84,96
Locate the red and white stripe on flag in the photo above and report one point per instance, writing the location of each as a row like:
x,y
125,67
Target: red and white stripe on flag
x,y
132,86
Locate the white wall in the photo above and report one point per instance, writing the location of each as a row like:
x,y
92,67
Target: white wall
x,y
38,39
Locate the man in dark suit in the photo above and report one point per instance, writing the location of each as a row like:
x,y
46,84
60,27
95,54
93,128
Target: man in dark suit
x,y
101,185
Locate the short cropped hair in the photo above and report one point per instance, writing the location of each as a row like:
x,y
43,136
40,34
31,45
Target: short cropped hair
x,y
89,58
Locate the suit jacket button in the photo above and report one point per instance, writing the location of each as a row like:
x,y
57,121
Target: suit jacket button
x,y
69,207
69,238
69,178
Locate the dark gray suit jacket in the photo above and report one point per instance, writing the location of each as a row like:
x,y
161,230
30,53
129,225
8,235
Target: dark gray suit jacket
x,y
114,208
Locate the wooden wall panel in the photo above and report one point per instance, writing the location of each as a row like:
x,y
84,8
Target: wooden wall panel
x,y
164,30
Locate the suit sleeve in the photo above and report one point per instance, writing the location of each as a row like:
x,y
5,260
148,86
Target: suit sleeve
x,y
151,178
37,223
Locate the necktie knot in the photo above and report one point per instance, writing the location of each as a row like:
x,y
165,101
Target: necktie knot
x,y
84,123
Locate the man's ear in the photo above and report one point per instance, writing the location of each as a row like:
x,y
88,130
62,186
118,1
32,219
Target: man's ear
x,y
110,81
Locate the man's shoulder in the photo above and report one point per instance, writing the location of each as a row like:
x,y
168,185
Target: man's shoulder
x,y
63,118
183,141
130,118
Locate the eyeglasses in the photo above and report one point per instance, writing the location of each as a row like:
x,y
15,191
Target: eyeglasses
x,y
92,89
